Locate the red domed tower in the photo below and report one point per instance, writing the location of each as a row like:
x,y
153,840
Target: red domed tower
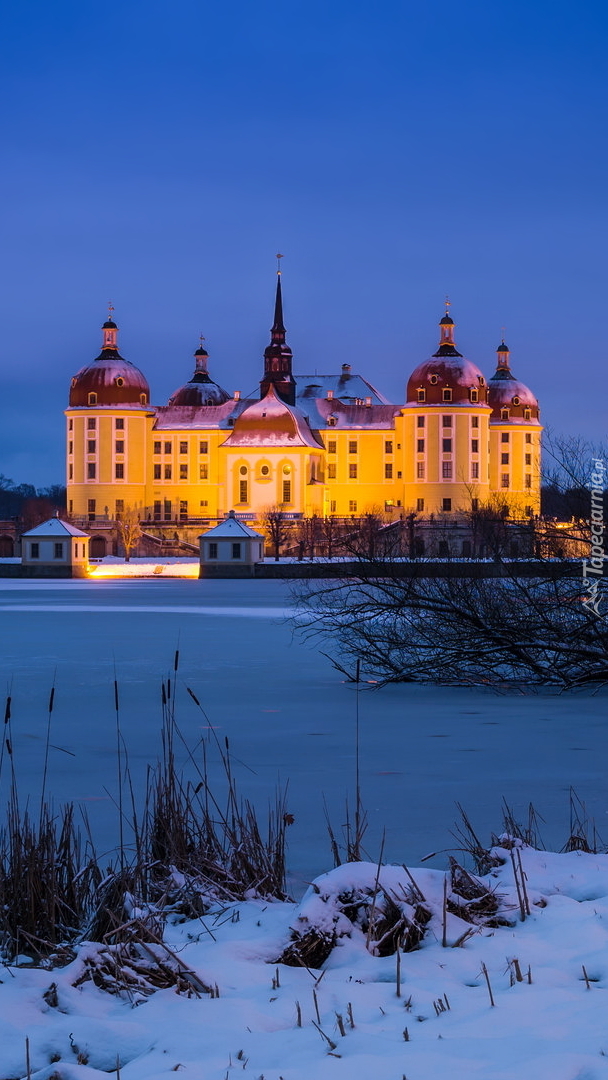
x,y
109,379
515,434
200,390
445,440
108,422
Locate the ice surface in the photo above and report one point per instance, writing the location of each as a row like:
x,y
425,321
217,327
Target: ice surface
x,y
288,714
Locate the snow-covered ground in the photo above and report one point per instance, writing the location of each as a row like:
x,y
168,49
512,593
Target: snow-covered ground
x,y
288,714
547,976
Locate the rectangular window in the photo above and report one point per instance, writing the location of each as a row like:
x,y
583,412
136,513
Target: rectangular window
x,y
71,425
203,447
120,506
388,447
420,470
388,472
203,472
119,471
504,436
212,550
183,447
71,447
527,414
331,446
91,446
474,470
167,448
91,423
91,470
157,446
504,459
204,502
420,446
183,472
420,421
528,459
474,394
331,472
91,506
352,472
446,421
475,421
243,491
35,551
167,510
446,470
419,505
332,506
120,424
157,510
474,505
58,551
474,446
236,551
71,472
446,395
120,446
504,479
528,480
167,472
446,506
446,445
71,506
352,447
422,395
183,510
352,506
528,437
286,491
157,472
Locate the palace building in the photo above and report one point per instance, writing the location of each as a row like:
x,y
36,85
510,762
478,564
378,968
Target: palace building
x,y
309,444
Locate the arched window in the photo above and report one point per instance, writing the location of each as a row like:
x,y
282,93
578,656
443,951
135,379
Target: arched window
x,y
474,394
421,394
143,399
92,399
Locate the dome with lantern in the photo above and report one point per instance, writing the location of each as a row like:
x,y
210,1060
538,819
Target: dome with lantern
x,y
447,376
109,379
200,390
506,394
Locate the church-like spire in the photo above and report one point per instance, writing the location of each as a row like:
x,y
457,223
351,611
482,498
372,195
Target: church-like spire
x,y
278,355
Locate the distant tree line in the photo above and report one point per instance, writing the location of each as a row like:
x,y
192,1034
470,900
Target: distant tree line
x,y
26,505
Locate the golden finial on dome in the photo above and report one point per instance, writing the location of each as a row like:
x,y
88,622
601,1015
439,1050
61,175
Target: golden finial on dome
x,y
279,257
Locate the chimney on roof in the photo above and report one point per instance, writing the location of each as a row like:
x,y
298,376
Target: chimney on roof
x,y
368,402
237,395
346,369
330,395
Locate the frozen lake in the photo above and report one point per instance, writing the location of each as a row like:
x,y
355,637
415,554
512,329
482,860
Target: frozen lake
x,y
287,712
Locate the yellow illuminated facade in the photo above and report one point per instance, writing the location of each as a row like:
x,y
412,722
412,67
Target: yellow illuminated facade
x,y
318,444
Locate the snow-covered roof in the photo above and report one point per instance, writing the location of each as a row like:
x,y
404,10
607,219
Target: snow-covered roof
x,y
271,422
178,417
230,529
55,527
349,388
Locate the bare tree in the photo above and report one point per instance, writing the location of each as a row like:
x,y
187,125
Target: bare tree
x,y
275,525
129,530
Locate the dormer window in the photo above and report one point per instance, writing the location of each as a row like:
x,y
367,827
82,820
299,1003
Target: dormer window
x,y
516,400
504,414
422,395
74,381
434,379
143,398
482,381
331,421
92,399
527,414
474,394
446,394
119,381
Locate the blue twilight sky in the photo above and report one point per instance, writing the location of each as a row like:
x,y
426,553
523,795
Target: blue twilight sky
x,y
159,153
